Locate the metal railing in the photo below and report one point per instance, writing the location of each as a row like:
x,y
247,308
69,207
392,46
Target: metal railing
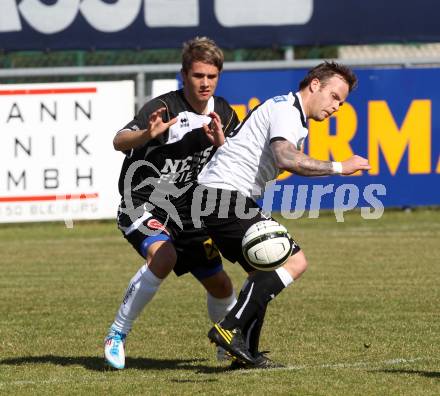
x,y
139,71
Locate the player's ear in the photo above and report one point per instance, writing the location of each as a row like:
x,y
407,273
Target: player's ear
x,y
315,85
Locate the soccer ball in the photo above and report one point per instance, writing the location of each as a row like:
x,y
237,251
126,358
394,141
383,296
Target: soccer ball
x,y
267,245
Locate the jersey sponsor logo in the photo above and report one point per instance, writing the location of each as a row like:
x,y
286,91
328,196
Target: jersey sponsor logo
x,y
184,170
155,224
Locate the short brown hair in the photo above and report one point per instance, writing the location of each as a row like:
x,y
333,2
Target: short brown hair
x,y
327,70
201,49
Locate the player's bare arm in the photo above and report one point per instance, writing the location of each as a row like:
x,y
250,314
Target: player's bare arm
x,y
128,139
288,158
214,130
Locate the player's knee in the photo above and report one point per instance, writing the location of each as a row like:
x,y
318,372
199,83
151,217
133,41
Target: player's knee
x,y
163,250
161,258
296,265
219,285
300,262
225,284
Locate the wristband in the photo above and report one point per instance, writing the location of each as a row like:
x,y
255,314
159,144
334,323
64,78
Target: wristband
x,y
337,167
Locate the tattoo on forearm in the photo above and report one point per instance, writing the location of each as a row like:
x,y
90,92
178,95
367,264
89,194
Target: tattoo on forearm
x,y
297,162
307,166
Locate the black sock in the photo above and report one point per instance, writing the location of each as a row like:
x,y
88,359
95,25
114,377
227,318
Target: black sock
x,y
252,332
262,287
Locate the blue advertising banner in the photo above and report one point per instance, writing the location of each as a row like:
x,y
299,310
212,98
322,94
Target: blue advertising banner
x,y
132,24
392,118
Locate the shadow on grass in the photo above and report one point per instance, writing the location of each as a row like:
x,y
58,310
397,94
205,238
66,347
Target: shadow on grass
x,y
427,374
96,363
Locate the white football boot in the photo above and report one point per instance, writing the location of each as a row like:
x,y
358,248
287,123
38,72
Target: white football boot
x,y
114,349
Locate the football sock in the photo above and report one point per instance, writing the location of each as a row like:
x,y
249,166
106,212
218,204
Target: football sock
x,y
219,307
141,290
252,332
252,301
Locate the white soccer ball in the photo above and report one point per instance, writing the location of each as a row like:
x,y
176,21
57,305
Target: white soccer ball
x,y
267,245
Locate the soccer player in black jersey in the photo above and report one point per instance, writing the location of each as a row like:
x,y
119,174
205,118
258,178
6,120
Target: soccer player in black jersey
x,y
166,146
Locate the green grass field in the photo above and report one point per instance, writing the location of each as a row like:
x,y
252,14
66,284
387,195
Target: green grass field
x,y
364,319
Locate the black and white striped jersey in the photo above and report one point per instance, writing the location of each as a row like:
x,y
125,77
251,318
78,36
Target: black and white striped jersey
x,y
175,158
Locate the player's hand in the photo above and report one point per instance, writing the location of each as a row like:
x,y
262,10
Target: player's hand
x,y
354,164
214,131
156,125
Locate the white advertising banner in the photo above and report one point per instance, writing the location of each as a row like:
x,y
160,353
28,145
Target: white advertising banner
x,y
57,160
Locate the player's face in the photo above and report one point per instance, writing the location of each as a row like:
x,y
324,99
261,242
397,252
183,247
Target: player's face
x,y
327,97
199,84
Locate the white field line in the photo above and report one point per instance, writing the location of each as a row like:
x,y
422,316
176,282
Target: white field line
x,y
370,364
341,365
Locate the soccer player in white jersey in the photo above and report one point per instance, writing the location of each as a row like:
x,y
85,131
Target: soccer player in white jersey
x,y
268,141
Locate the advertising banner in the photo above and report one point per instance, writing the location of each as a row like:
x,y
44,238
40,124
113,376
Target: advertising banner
x,y
57,161
392,118
133,24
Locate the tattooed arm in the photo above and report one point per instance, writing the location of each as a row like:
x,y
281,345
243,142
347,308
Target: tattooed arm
x,y
287,157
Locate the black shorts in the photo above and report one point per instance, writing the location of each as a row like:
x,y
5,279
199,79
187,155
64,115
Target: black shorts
x,y
225,226
196,253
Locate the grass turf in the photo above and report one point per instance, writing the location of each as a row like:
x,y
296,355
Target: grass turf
x,y
363,320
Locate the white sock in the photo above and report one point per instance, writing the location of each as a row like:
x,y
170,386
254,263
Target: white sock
x,y
141,290
284,275
219,307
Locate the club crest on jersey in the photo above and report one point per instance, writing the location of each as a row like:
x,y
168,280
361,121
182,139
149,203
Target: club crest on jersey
x,y
184,123
280,98
156,225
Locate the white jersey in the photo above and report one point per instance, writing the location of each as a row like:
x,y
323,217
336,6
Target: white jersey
x,y
245,162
